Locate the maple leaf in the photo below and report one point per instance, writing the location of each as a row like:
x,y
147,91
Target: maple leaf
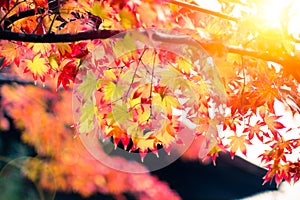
x,y
184,65
128,18
122,48
111,91
69,71
53,61
266,94
230,123
255,130
273,124
118,134
169,102
121,113
151,14
41,3
38,67
78,50
5,4
238,143
162,98
279,171
42,48
63,48
87,117
101,10
167,134
11,53
216,149
88,85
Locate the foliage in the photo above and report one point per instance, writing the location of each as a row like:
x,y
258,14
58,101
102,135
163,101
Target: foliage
x,y
56,41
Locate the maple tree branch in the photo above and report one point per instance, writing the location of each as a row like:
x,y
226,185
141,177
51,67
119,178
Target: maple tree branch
x,y
8,12
58,38
289,63
285,60
199,9
11,80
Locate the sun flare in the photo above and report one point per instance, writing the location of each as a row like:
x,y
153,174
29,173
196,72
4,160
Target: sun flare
x,y
282,14
272,13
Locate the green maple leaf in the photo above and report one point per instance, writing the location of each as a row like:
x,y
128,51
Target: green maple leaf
x,y
121,113
125,46
88,85
86,121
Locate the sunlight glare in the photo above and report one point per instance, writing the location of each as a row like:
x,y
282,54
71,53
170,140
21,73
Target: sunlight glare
x,y
210,4
294,19
272,14
279,14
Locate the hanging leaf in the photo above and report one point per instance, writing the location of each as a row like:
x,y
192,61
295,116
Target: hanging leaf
x,y
38,67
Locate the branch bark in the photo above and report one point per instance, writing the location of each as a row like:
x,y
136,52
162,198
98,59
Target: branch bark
x,y
58,38
11,80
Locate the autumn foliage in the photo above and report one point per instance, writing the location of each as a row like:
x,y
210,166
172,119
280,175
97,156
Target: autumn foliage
x,y
221,77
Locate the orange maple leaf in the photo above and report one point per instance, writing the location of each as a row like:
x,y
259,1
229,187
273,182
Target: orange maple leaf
x,y
238,143
11,53
273,125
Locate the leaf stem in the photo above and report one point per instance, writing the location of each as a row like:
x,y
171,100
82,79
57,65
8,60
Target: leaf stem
x,y
151,83
135,71
52,22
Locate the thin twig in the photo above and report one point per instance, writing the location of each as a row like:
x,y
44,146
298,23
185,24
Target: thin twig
x,y
151,83
52,22
135,71
199,9
6,14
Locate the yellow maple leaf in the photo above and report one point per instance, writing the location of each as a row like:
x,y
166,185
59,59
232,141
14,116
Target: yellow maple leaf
x,y
166,134
110,75
145,143
184,65
63,48
100,10
109,90
43,48
38,67
167,102
53,61
128,19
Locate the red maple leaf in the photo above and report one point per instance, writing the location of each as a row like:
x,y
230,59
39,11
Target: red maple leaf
x,y
273,125
68,74
255,130
214,152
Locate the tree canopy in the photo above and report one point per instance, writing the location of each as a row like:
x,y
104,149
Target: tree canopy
x,y
151,75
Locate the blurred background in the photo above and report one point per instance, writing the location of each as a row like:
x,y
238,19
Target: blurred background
x,y
192,180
